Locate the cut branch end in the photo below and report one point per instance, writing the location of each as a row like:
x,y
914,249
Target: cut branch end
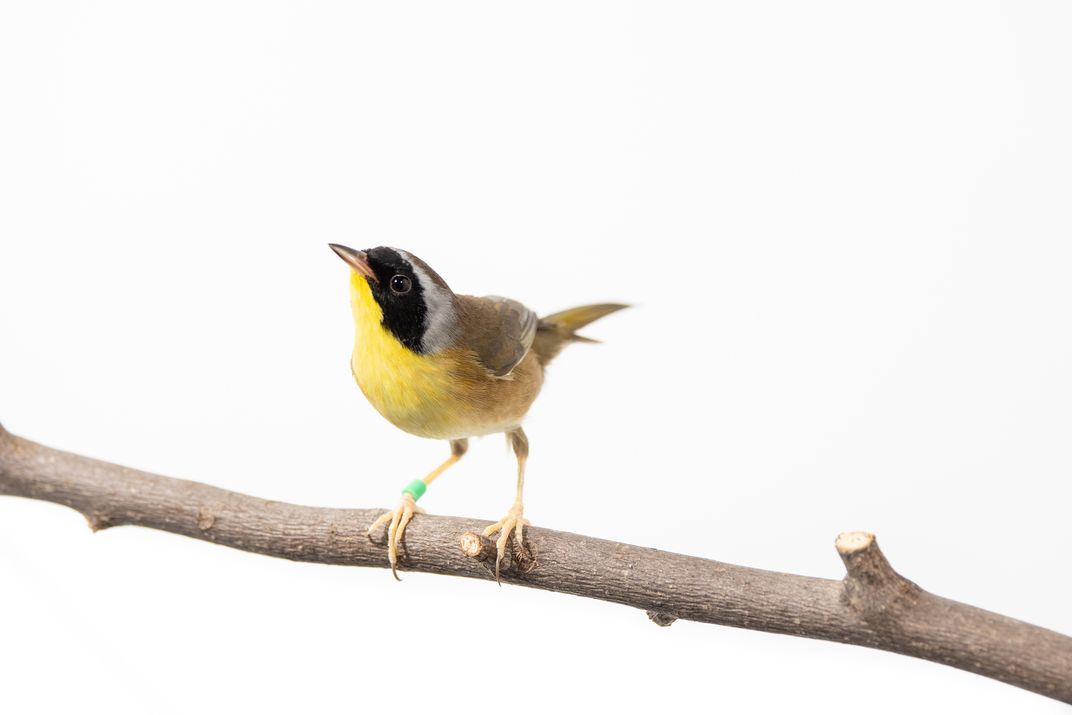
x,y
871,586
473,545
851,542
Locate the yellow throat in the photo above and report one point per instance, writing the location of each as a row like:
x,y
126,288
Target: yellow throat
x,y
412,391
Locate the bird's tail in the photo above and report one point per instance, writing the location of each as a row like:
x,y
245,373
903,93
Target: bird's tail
x,y
555,331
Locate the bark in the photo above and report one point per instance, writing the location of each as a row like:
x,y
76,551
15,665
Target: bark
x,y
872,606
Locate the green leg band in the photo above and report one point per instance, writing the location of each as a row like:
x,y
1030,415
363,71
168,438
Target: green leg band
x,y
415,489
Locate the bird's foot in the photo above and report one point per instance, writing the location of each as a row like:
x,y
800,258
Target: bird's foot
x,y
396,521
513,523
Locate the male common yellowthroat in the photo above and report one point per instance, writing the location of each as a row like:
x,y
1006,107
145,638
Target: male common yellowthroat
x,y
447,366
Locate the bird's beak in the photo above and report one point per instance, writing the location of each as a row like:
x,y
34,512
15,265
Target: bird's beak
x,y
355,259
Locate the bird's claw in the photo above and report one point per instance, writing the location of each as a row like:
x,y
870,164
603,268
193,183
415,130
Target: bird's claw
x,y
513,523
396,521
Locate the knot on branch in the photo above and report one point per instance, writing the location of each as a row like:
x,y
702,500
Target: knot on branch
x,y
661,619
871,587
98,521
520,559
206,518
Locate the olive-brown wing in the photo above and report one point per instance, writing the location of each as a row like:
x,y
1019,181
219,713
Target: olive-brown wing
x,y
499,330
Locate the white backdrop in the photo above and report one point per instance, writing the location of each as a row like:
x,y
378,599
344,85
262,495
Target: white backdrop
x,y
846,230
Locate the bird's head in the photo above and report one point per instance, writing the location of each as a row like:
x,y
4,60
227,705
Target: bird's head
x,y
403,294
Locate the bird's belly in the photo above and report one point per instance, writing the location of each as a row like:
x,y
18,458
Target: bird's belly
x,y
442,396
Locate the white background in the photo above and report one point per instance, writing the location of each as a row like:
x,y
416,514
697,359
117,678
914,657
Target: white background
x,y
846,229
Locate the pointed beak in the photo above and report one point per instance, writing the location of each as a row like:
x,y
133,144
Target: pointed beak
x,y
355,259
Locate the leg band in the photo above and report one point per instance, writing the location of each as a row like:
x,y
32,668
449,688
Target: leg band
x,y
415,489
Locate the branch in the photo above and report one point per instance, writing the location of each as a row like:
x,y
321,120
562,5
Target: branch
x,y
873,606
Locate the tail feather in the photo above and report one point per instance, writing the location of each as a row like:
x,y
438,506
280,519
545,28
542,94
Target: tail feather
x,y
555,331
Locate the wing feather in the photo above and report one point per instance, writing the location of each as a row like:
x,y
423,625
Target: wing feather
x,y
499,330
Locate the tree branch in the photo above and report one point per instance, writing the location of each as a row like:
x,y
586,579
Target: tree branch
x,y
873,606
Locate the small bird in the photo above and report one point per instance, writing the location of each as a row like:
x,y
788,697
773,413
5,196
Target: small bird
x,y
447,366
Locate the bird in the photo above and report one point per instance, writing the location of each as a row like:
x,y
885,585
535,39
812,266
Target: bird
x,y
447,366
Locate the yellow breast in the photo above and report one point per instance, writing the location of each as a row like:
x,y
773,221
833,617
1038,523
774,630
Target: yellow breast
x,y
417,393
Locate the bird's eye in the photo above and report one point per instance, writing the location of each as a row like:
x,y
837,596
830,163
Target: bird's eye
x,y
400,285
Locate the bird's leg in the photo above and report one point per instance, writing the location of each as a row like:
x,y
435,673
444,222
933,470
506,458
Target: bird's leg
x,y
514,522
398,519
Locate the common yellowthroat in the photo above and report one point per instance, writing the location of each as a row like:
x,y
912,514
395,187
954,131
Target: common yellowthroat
x,y
447,366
